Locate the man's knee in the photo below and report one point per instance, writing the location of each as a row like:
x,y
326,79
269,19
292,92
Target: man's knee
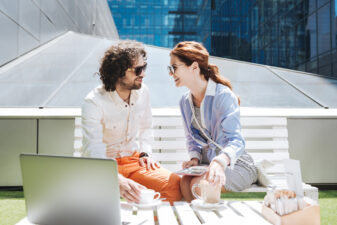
x,y
172,190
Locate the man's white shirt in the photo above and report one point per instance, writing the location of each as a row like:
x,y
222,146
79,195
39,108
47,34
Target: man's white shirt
x,y
113,128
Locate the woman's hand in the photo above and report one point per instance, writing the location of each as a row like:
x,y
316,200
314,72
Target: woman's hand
x,y
192,162
129,189
216,174
149,162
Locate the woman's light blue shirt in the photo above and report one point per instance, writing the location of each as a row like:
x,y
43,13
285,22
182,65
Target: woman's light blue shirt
x,y
220,118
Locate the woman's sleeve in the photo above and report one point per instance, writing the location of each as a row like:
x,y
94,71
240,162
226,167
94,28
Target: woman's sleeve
x,y
193,148
229,113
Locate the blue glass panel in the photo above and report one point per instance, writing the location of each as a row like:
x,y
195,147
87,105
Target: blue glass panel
x,y
324,41
334,24
321,2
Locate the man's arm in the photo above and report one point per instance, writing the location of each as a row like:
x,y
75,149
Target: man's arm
x,y
145,128
92,130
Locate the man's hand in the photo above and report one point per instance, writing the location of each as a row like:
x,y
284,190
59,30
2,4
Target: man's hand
x,y
129,189
149,162
192,162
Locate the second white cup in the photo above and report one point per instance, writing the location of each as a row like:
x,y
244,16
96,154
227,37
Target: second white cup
x,y
148,195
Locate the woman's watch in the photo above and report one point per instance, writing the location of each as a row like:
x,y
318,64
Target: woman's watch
x,y
143,154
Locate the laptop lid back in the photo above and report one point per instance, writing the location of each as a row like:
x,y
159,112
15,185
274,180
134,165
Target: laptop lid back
x,y
68,190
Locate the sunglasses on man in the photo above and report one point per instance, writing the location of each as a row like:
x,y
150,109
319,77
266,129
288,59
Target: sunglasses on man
x,y
138,70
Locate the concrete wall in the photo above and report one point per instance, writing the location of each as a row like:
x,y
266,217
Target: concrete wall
x,y
313,141
27,24
54,137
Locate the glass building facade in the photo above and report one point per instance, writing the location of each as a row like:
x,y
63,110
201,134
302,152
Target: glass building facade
x,y
162,22
294,34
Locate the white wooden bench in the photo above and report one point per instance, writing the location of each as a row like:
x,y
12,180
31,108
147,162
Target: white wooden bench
x,y
266,139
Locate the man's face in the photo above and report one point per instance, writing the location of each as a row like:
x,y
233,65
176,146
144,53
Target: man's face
x,y
131,81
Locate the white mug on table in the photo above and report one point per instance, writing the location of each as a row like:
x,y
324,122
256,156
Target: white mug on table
x,y
148,196
210,193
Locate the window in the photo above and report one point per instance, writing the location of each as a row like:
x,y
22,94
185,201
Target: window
x,y
323,23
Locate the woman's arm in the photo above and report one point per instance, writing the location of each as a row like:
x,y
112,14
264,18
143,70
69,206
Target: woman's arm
x,y
230,134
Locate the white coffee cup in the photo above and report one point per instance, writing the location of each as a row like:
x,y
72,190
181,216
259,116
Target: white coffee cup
x,y
148,195
210,193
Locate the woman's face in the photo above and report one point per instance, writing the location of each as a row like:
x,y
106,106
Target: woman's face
x,y
179,72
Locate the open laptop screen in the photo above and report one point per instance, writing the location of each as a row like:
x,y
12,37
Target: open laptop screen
x,y
68,190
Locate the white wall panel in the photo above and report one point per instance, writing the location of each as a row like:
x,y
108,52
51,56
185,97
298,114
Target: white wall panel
x,y
29,17
55,13
8,39
48,30
314,143
26,41
37,2
10,8
16,136
56,136
47,19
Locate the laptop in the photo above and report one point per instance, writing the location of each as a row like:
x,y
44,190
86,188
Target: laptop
x,y
70,191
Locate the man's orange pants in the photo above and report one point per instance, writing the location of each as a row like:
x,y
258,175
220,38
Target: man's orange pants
x,y
161,180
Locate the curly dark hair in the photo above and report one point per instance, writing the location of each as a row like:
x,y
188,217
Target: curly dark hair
x,y
117,59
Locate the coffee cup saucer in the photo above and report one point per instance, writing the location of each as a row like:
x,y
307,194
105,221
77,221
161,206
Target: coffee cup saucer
x,y
198,203
147,205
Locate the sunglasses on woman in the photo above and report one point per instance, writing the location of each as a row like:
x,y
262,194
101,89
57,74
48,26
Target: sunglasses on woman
x,y
138,70
172,69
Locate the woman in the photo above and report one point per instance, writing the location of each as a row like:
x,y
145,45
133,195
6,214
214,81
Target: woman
x,y
211,116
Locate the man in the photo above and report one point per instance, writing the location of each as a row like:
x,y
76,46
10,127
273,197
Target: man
x,y
115,114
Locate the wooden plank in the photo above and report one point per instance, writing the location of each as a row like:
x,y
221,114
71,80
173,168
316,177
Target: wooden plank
x,y
230,217
77,144
265,133
166,215
263,121
183,156
249,213
78,121
271,156
245,121
186,214
78,133
247,133
167,121
127,212
250,145
277,168
171,156
169,145
254,145
274,170
208,216
146,214
169,133
257,206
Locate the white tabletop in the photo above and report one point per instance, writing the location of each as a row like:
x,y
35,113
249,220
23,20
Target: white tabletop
x,y
232,212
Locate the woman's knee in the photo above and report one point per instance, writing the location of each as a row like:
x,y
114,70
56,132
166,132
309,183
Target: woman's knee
x,y
194,181
185,181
